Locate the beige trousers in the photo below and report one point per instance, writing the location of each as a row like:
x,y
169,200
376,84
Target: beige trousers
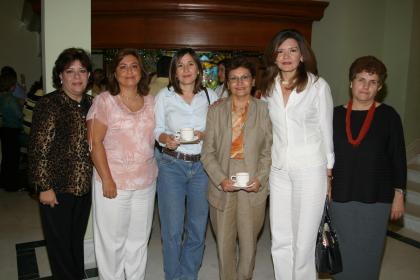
x,y
240,221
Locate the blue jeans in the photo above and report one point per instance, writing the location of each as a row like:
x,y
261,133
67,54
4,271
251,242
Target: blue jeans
x,y
183,211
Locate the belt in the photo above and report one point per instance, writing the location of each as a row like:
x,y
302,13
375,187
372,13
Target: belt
x,y
182,156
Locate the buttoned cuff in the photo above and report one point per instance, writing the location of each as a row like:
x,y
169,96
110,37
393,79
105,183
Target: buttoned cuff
x,y
330,160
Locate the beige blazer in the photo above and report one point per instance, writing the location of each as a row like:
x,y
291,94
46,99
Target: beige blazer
x,y
257,148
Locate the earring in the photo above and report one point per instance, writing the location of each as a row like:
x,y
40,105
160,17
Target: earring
x,y
351,85
61,81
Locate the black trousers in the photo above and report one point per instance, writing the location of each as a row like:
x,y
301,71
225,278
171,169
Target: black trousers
x,y
64,229
10,150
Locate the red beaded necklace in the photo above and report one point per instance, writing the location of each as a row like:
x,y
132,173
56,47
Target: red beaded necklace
x,y
365,127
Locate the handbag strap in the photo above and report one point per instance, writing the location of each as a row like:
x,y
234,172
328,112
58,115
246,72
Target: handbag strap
x,y
327,210
326,214
207,95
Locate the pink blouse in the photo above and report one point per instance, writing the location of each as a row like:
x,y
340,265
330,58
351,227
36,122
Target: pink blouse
x,y
128,142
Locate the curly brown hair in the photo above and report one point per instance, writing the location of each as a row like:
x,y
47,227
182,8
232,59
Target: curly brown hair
x,y
67,57
371,65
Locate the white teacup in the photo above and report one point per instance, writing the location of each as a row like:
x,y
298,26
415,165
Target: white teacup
x,y
185,134
241,179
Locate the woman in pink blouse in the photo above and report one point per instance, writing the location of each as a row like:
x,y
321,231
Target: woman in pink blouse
x,y
120,131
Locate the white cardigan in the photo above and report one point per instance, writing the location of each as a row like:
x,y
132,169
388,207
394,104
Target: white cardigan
x,y
302,130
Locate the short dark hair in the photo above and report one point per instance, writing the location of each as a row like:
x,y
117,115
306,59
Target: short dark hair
x,y
240,61
8,70
224,62
7,82
67,57
10,75
272,70
371,65
142,86
162,66
173,81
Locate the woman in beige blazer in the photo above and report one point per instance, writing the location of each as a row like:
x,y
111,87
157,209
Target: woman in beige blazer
x,y
238,139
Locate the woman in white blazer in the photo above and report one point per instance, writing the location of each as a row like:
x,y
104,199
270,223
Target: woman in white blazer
x,y
301,110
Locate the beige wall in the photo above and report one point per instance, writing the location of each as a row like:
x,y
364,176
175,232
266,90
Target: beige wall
x,y
65,24
396,51
19,48
349,29
412,99
387,29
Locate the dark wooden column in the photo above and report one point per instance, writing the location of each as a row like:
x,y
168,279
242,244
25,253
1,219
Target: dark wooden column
x,y
205,25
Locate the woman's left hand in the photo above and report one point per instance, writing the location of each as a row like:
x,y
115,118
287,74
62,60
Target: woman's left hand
x,y
199,134
329,184
329,179
254,185
397,209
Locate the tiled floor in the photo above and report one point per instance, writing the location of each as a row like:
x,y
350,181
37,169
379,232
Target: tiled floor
x,y
19,223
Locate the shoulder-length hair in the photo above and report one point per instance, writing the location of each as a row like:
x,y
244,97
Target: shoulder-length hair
x,y
173,80
67,57
142,86
272,70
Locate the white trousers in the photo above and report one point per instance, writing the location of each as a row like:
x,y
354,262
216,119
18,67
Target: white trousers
x,y
121,231
297,200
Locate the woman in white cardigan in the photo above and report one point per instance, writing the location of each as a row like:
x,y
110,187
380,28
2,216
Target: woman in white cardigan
x,y
301,110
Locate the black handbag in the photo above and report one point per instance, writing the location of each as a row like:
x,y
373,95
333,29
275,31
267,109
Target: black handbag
x,y
327,251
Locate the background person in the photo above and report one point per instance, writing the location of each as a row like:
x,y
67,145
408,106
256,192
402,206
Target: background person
x,y
238,139
120,129
18,90
99,82
161,79
370,172
221,90
182,181
59,164
34,94
10,129
301,111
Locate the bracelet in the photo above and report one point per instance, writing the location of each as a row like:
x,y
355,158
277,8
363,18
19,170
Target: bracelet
x,y
330,177
401,191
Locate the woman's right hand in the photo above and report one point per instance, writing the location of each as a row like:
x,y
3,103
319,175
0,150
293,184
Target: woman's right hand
x,y
109,189
227,186
48,198
171,142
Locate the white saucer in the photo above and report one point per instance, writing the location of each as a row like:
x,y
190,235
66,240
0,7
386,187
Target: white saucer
x,y
244,187
193,141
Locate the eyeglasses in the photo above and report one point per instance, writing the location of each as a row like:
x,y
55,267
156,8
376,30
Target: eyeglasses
x,y
244,78
73,72
289,51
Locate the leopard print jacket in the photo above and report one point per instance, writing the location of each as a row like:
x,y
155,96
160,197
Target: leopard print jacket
x,y
58,150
